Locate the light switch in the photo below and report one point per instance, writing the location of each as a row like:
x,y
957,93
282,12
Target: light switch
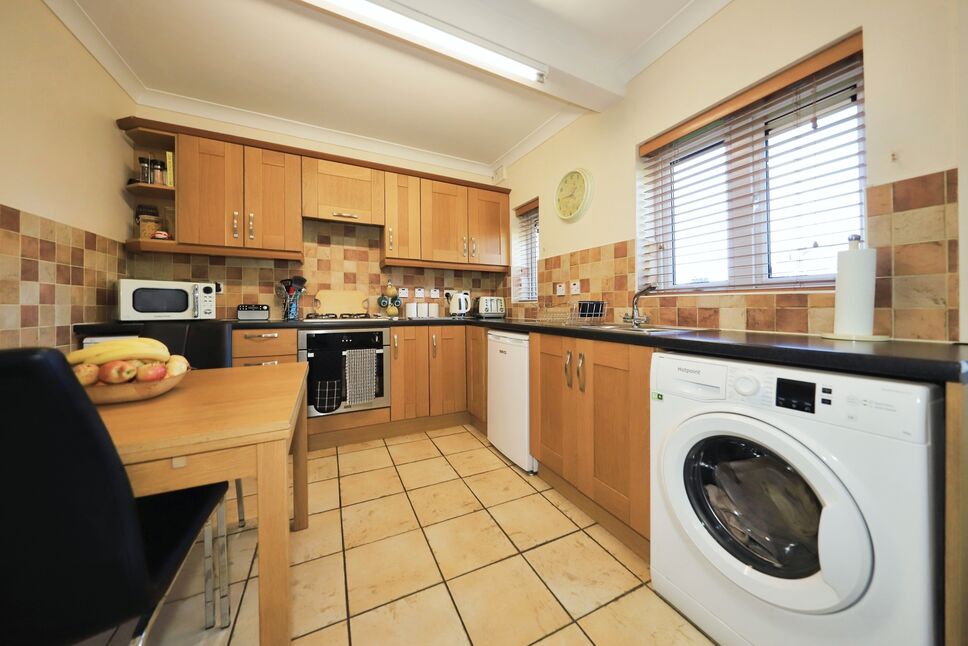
x,y
403,292
559,289
435,293
575,287
418,292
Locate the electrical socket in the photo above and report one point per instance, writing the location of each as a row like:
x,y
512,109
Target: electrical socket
x,y
435,293
418,292
559,289
575,287
403,292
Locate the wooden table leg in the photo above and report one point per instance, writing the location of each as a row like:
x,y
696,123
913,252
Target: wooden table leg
x,y
273,490
300,472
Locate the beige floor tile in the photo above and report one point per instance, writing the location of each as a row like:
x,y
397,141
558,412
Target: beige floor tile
x,y
456,443
450,430
580,573
251,504
248,487
426,472
427,618
335,635
368,485
377,519
364,460
500,456
500,485
413,451
467,543
182,623
568,508
443,501
533,480
640,617
191,579
617,548
506,603
389,569
316,596
476,432
323,496
322,538
403,439
477,461
568,636
531,521
322,468
360,446
322,453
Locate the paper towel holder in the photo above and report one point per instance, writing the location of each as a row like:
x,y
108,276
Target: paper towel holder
x,y
853,241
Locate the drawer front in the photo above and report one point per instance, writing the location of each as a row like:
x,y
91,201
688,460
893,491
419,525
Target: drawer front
x,y
263,342
169,474
268,360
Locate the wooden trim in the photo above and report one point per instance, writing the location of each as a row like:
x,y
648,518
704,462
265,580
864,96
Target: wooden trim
x,y
380,431
172,246
955,517
527,207
130,123
343,421
847,47
437,264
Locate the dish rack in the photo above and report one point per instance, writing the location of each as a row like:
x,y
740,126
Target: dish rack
x,y
584,312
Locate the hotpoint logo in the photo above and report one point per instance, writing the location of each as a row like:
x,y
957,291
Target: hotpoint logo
x,y
689,371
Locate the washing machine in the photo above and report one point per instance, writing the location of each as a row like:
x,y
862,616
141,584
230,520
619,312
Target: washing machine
x,y
796,507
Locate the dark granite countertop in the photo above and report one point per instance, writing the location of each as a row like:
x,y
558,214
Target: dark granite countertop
x,y
910,360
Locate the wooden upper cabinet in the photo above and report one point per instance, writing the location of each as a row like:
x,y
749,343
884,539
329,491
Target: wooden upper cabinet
x,y
409,373
443,221
342,192
448,375
489,227
272,200
477,372
209,201
401,236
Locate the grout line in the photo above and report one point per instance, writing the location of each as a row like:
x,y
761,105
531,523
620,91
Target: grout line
x,y
342,539
609,552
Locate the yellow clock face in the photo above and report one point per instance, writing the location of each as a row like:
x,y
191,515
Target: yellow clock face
x,y
573,192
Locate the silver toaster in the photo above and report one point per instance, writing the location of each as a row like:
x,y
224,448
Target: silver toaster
x,y
489,307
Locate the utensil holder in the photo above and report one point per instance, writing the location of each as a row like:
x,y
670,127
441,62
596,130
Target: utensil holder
x,y
290,311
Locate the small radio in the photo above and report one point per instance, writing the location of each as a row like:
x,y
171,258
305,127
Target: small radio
x,y
252,313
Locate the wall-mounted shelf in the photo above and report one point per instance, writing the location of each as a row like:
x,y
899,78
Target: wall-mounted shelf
x,y
171,246
151,139
436,264
158,191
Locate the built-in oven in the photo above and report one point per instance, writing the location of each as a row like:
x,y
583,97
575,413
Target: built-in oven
x,y
349,369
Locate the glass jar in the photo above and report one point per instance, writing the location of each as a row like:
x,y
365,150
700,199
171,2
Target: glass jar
x,y
157,171
145,170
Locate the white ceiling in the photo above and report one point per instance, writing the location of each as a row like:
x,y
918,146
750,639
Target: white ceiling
x,y
284,66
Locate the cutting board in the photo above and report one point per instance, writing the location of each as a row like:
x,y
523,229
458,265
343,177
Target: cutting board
x,y
341,301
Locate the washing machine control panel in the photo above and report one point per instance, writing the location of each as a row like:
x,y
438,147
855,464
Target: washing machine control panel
x,y
796,395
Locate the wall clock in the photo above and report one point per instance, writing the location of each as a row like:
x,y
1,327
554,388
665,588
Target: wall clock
x,y
574,193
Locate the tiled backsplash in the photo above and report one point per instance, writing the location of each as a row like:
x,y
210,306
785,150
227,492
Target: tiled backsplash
x,y
913,224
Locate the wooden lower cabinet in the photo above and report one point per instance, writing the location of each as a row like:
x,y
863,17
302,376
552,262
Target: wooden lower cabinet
x,y
477,372
409,372
448,374
590,420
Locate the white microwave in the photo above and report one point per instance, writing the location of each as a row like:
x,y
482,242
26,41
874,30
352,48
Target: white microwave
x,y
163,300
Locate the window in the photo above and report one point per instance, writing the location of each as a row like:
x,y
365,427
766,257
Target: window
x,y
525,274
761,197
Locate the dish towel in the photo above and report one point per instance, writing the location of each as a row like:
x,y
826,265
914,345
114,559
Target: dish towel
x,y
360,376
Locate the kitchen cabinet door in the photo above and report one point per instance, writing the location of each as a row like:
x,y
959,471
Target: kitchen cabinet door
x,y
613,422
443,221
209,200
409,373
489,227
272,200
342,192
401,236
448,373
554,404
477,372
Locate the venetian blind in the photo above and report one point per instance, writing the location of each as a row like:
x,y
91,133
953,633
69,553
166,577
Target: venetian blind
x,y
525,275
763,197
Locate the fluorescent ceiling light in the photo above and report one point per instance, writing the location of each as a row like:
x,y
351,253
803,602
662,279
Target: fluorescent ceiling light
x,y
425,35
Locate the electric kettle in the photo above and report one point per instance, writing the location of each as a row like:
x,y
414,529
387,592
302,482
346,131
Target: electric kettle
x,y
459,304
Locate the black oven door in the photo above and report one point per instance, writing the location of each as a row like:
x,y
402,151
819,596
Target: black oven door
x,y
326,353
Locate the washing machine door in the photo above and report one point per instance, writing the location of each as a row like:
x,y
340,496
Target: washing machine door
x,y
767,513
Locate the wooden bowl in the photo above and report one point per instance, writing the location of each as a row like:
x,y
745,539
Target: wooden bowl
x,y
131,392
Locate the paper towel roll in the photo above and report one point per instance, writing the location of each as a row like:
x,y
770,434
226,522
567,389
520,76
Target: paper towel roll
x,y
854,304
411,310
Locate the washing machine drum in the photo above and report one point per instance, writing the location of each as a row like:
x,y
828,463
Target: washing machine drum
x,y
767,513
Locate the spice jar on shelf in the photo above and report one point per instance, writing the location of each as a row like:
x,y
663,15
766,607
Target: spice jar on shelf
x,y
157,171
144,165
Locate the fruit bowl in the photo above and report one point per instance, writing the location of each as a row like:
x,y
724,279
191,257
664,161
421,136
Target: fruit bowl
x,y
132,391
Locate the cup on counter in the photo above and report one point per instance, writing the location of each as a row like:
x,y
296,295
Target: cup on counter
x,y
411,310
423,311
433,311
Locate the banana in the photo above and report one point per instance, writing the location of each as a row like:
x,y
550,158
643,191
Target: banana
x,y
143,353
135,345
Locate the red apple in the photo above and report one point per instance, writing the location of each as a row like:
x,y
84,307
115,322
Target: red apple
x,y
152,372
117,372
177,365
86,373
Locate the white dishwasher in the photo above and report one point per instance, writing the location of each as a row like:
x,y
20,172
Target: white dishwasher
x,y
508,426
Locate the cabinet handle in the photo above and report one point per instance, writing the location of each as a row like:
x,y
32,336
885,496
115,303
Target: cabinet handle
x,y
390,233
339,214
465,246
433,338
568,368
474,247
251,226
581,371
235,224
262,363
396,346
264,335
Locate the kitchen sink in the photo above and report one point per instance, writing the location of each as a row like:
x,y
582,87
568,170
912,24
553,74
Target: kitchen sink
x,y
653,330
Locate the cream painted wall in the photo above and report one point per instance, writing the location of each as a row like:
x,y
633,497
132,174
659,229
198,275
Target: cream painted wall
x,y
61,155
910,71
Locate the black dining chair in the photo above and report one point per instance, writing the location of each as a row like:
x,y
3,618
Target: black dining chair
x,y
81,553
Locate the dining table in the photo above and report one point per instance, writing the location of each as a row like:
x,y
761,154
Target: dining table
x,y
218,425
